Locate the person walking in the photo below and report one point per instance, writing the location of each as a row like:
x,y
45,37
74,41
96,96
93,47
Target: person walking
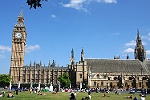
x,y
72,97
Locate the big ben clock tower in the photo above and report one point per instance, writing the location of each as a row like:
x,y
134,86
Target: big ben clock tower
x,y
18,50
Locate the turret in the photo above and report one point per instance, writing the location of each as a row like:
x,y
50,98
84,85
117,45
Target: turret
x,y
82,55
30,63
49,63
20,17
72,57
40,63
53,64
128,57
34,64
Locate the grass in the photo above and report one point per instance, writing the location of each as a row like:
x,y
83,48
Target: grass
x,y
65,96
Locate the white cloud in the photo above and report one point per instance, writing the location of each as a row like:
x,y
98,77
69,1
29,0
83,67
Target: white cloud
x,y
131,43
5,48
144,43
147,37
53,16
148,52
115,34
8,49
129,50
80,4
76,4
2,56
107,1
32,48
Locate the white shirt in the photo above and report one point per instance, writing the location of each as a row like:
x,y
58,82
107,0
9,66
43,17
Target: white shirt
x,y
142,98
89,96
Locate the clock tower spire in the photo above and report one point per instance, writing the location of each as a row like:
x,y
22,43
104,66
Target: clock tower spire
x,y
18,49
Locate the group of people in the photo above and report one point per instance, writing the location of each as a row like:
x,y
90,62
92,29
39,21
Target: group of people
x,y
73,96
142,97
10,95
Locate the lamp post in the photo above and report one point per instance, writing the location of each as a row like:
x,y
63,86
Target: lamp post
x,y
31,84
58,86
10,86
19,79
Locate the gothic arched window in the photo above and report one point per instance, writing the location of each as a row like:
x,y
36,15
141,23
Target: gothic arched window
x,y
98,76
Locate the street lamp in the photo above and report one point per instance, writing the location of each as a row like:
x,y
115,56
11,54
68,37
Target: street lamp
x,y
58,86
19,79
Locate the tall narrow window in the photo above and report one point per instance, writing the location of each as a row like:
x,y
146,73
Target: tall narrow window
x,y
94,83
80,75
98,76
102,83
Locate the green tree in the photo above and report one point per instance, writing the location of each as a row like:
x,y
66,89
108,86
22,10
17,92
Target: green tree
x,y
4,80
64,80
35,3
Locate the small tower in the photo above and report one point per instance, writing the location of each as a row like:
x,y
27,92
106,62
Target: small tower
x,y
49,63
34,64
128,57
82,55
72,57
40,63
72,70
30,63
53,64
139,51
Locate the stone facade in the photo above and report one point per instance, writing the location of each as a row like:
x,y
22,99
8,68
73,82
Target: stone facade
x,y
37,73
117,73
93,73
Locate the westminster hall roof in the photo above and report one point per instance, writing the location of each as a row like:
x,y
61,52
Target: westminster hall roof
x,y
118,66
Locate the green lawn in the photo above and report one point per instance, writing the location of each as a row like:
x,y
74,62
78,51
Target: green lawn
x,y
65,96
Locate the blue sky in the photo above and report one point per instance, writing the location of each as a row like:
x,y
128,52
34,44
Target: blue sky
x,y
103,28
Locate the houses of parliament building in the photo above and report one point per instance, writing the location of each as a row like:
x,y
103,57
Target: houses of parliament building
x,y
100,73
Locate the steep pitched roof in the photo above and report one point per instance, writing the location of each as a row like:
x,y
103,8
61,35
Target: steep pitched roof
x,y
116,65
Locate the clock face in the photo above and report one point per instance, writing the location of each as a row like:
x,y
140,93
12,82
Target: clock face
x,y
18,35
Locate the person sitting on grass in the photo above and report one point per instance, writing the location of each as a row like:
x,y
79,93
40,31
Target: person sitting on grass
x,y
88,97
2,94
104,95
129,97
135,98
10,95
72,97
142,98
53,92
39,93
